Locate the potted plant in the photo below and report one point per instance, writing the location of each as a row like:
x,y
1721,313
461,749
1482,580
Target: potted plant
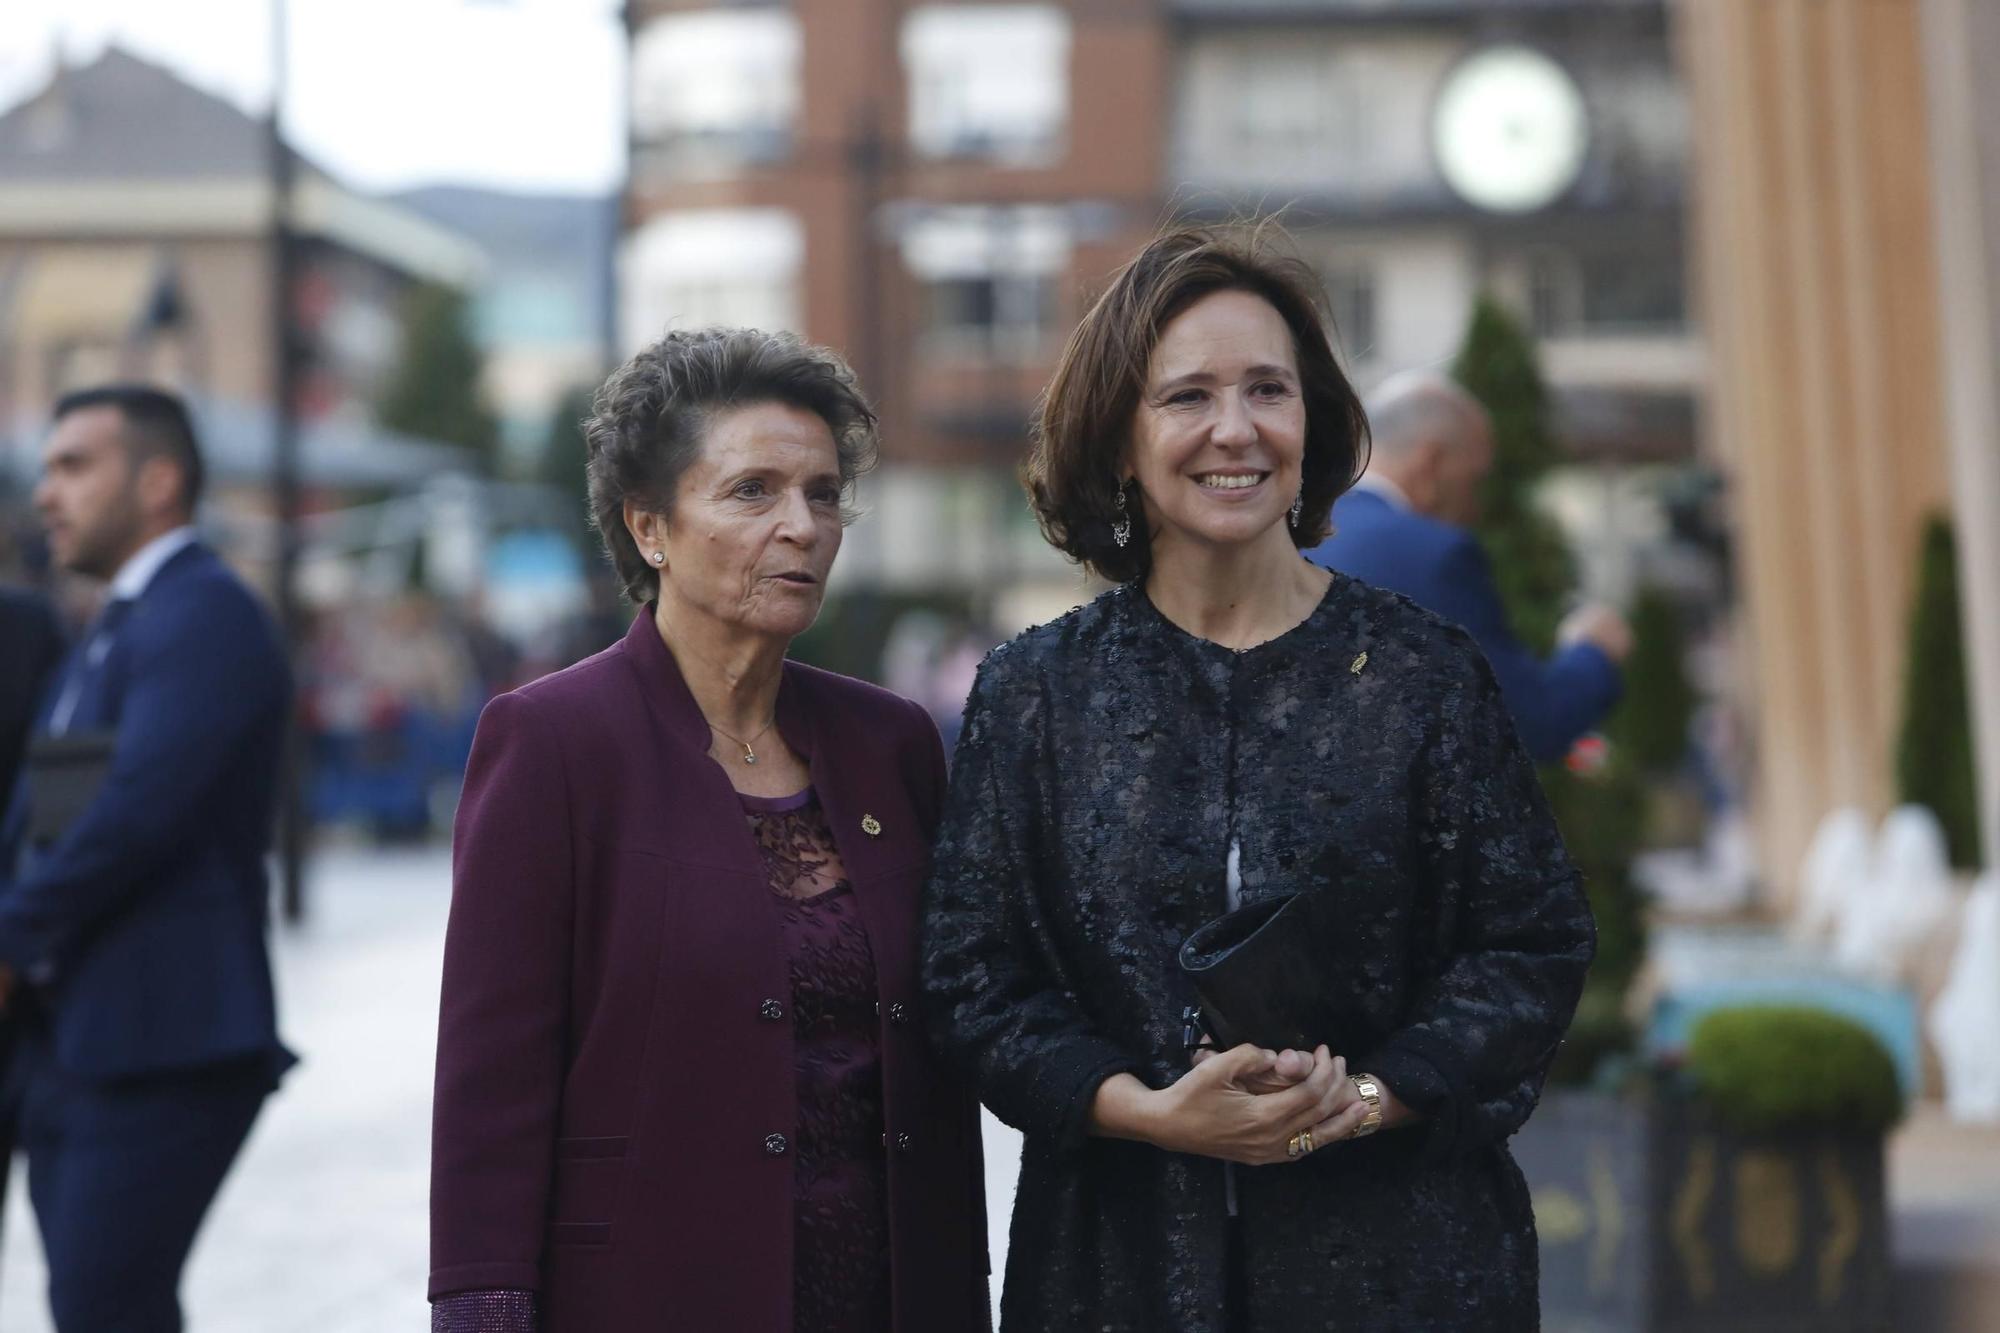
x,y
1740,1189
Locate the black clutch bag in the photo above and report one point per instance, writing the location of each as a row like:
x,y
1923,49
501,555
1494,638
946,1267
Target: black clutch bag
x,y
1259,978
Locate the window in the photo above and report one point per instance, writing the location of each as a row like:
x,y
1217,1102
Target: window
x,y
706,266
988,81
1605,291
1554,295
1350,294
994,313
989,277
1282,105
718,86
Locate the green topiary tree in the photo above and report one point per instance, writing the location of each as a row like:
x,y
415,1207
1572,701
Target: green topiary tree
x,y
1531,559
1602,815
436,391
562,465
1934,746
1777,1067
1650,725
1603,819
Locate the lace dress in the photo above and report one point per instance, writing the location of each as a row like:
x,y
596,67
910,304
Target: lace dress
x,y
840,1216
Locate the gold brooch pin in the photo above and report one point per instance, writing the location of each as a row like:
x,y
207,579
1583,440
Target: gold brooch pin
x,y
1359,662
871,826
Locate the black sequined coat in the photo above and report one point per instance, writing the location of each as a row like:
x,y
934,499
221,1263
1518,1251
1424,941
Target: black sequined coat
x,y
1108,763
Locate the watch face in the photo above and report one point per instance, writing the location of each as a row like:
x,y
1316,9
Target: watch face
x,y
1510,130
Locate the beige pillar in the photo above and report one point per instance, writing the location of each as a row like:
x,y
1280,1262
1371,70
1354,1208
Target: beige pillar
x,y
1814,235
1962,45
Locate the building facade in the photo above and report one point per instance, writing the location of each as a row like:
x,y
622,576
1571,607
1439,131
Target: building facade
x,y
135,242
938,190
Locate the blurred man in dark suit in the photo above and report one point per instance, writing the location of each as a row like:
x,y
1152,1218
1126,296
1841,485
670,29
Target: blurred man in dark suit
x,y
1406,527
132,884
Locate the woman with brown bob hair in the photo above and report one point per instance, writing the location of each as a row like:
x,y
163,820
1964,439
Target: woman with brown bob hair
x,y
1231,726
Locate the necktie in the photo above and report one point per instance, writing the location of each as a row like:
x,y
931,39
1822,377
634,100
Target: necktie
x,y
88,658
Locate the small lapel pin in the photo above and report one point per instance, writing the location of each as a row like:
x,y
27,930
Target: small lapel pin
x,y
871,826
1359,662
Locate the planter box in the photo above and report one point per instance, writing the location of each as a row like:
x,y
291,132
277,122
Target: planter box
x,y
1656,1219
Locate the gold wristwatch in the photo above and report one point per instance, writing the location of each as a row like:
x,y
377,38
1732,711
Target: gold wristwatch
x,y
1371,1092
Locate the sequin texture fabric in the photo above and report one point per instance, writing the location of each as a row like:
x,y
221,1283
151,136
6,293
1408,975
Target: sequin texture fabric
x,y
484,1312
1109,762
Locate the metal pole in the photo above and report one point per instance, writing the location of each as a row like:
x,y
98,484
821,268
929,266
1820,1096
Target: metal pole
x,y
285,466
621,203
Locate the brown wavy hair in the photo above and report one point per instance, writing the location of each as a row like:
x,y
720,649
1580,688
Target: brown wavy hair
x,y
1083,423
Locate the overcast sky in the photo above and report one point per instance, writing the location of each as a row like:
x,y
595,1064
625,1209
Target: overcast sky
x,y
512,94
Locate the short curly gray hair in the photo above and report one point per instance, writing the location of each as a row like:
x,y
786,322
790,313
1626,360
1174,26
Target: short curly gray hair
x,y
649,419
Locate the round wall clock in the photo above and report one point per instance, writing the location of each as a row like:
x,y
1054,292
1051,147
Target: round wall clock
x,y
1510,130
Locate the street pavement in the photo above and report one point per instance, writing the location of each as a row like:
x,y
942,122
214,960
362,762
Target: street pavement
x,y
321,1228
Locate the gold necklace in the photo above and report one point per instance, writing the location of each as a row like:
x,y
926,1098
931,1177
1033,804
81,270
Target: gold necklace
x,y
749,755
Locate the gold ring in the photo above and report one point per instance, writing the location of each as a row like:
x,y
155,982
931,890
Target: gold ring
x,y
1306,1141
1293,1147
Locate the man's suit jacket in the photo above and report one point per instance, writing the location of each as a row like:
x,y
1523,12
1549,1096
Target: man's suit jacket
x,y
1443,569
30,647
616,1086
143,925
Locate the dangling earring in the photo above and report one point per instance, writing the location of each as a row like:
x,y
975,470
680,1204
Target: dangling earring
x,y
1298,507
1121,531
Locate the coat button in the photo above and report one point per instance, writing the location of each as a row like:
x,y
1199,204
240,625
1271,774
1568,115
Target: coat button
x,y
771,1009
904,1143
899,1013
775,1145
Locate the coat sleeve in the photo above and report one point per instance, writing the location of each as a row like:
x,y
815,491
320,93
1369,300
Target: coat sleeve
x,y
503,1007
1553,701
1514,924
995,1007
205,674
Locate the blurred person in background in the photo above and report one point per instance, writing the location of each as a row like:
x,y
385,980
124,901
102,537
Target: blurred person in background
x,y
31,644
1406,526
1234,725
680,1082
133,894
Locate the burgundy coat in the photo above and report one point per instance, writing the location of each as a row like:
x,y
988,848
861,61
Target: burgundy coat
x,y
614,1104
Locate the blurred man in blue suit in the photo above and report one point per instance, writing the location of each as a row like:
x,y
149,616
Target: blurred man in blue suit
x,y
132,883
1406,527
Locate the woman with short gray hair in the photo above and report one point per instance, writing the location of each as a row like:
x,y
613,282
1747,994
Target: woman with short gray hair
x,y
679,1077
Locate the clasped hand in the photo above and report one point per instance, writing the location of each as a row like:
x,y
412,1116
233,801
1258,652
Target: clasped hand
x,y
1245,1104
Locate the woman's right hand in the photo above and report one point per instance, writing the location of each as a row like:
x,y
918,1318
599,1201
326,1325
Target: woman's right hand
x,y
1244,1104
